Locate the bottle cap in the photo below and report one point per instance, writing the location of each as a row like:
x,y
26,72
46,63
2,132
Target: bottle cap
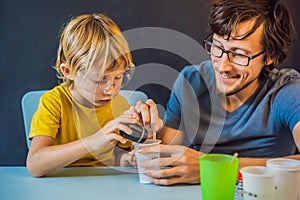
x,y
240,176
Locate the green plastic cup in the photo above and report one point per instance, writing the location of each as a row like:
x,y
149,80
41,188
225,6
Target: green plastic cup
x,y
218,175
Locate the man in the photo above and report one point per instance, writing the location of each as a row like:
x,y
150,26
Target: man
x,y
237,102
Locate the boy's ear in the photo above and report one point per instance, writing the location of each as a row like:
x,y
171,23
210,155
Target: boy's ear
x,y
65,69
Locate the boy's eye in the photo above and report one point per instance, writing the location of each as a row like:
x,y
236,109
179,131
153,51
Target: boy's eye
x,y
104,80
99,82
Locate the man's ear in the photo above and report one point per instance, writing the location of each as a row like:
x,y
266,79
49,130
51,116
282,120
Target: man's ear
x,y
269,61
65,69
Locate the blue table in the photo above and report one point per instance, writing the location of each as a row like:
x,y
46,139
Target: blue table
x,y
101,183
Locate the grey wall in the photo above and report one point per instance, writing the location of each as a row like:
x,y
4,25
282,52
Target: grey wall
x,y
29,38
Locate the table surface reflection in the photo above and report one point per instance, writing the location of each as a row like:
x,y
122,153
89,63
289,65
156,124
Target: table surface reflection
x,y
107,183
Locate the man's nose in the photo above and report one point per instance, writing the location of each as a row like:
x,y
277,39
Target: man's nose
x,y
223,63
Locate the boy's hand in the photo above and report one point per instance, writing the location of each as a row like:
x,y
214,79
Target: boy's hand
x,y
128,159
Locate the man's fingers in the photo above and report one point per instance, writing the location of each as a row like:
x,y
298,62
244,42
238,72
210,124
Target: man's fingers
x,y
162,162
167,181
165,172
166,176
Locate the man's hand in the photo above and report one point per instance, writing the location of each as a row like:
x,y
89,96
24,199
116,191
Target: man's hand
x,y
179,165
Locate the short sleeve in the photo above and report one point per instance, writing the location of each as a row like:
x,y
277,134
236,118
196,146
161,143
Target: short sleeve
x,y
187,87
287,104
173,112
46,120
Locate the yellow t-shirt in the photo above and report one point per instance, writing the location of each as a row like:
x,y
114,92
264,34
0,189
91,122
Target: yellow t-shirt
x,y
63,118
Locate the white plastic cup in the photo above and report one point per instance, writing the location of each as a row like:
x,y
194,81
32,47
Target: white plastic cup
x,y
286,178
141,157
258,183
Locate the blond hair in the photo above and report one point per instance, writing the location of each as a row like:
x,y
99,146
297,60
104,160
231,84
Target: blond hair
x,y
92,41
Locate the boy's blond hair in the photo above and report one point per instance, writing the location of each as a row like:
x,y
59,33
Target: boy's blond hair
x,y
92,41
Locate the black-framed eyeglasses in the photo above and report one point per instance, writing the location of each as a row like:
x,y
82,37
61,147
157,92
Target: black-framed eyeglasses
x,y
236,58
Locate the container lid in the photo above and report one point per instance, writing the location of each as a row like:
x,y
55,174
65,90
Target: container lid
x,y
284,164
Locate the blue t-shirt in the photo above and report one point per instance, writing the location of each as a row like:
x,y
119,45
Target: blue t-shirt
x,y
261,127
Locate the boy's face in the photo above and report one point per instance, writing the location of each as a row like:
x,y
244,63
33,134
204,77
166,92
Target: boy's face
x,y
93,90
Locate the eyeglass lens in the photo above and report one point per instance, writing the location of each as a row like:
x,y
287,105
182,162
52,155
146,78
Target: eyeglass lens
x,y
233,57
